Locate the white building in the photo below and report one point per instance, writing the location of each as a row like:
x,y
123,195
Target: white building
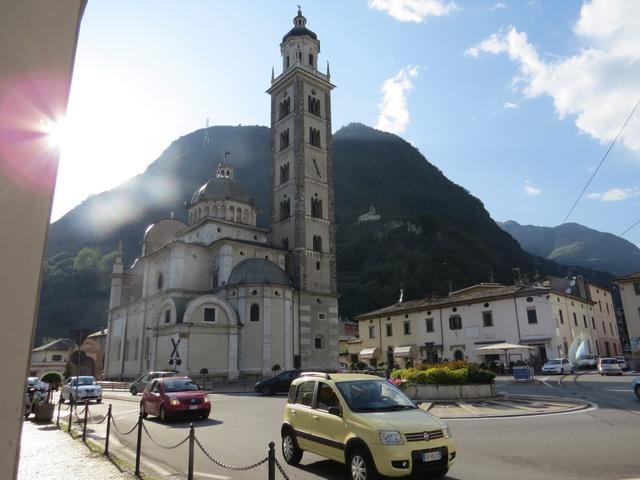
x,y
556,323
630,294
221,296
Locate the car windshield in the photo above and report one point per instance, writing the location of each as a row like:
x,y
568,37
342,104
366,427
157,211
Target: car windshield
x,y
83,381
608,361
555,361
180,385
373,396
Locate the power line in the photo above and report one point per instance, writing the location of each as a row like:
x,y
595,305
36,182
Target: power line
x,y
601,162
628,229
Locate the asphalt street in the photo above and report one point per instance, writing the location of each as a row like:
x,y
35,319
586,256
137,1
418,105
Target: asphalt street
x,y
599,443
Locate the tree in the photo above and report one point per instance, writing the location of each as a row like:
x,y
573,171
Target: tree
x,y
86,259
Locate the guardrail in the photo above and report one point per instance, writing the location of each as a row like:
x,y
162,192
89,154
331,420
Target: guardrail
x,y
106,385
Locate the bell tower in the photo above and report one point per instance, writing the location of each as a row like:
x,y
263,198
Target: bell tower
x,y
302,208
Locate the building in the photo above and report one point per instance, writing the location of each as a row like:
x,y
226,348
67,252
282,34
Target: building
x,y
557,318
51,357
221,296
630,295
370,216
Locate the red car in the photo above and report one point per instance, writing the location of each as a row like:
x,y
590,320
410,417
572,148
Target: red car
x,y
171,396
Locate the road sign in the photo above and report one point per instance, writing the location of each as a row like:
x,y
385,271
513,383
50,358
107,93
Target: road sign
x,y
522,373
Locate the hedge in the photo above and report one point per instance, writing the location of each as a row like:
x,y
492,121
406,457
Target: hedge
x,y
444,375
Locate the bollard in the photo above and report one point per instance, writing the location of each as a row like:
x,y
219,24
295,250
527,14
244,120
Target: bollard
x,y
59,406
138,446
272,461
70,416
106,441
192,437
84,424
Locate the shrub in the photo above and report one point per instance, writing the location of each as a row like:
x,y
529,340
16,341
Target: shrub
x,y
471,373
52,378
479,375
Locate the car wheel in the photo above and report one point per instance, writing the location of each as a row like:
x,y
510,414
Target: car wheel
x,y
134,391
266,390
204,416
98,400
290,450
637,390
143,413
360,465
163,414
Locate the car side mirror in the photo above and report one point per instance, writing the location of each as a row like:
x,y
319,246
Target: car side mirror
x,y
335,411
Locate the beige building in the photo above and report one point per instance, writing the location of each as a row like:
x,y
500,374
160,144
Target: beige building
x,y
220,295
51,357
630,295
557,318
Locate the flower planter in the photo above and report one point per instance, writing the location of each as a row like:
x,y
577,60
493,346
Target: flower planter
x,y
450,392
44,412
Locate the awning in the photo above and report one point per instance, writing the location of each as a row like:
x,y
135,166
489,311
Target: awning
x,y
406,351
369,353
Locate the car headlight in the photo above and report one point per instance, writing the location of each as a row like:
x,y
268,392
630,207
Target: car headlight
x,y
174,401
446,431
205,400
390,437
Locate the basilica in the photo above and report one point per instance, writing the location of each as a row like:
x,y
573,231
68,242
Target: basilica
x,y
220,296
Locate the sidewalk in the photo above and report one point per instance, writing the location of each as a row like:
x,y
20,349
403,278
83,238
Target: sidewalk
x,y
48,453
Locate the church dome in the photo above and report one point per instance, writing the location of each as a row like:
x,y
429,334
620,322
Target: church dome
x,y
222,188
257,270
160,233
299,28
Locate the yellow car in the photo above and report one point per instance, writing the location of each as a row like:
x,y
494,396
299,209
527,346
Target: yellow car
x,y
366,423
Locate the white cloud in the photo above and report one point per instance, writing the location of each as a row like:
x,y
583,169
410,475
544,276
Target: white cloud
x,y
510,105
393,112
529,189
499,6
598,85
414,10
615,194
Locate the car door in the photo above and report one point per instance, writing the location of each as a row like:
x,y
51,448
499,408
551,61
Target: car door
x,y
282,382
141,384
153,399
300,412
329,428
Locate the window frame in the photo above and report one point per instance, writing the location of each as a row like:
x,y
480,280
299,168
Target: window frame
x,y
204,315
454,320
429,325
531,321
487,315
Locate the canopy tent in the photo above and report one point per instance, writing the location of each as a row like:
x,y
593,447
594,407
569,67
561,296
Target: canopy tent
x,y
369,353
406,351
505,347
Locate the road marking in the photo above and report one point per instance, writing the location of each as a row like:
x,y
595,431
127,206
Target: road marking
x,y
210,475
593,406
544,381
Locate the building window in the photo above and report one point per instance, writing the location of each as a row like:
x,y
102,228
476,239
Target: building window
x,y
611,328
284,173
389,330
285,107
429,322
215,280
56,358
319,342
575,319
209,315
372,331
314,137
565,345
487,319
313,105
317,243
135,352
167,316
287,62
284,139
600,305
317,265
532,315
285,209
311,59
593,323
455,322
316,208
607,305
407,328
321,316
584,320
254,313
604,328
636,288
561,316
160,281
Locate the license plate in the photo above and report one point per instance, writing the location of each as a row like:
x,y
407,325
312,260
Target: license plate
x,y
193,407
431,456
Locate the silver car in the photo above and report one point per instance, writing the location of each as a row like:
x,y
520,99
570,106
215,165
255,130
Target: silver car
x,y
139,384
609,366
636,387
81,389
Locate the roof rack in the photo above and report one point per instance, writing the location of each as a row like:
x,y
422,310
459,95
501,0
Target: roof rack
x,y
316,374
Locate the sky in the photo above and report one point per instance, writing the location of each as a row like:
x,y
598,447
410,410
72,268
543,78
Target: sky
x,y
516,101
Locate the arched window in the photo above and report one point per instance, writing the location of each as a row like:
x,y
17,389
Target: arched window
x,y
239,215
284,173
285,207
214,211
458,355
245,216
232,213
254,313
313,105
316,207
284,139
317,243
223,211
314,137
311,59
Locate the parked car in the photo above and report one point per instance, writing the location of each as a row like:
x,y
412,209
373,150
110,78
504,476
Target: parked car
x,y
81,389
609,366
140,383
588,361
558,365
366,423
622,362
636,387
278,384
168,397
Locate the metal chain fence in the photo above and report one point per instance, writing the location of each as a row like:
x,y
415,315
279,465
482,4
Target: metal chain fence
x,y
282,472
229,467
113,422
159,444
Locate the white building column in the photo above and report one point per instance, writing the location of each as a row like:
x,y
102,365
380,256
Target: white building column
x,y
266,338
232,366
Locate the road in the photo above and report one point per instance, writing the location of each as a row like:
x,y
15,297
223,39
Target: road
x,y
599,443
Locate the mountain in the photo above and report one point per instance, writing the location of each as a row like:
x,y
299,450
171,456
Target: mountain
x,y
433,234
576,245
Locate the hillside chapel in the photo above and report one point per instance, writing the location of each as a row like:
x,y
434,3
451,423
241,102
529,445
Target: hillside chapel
x,y
221,296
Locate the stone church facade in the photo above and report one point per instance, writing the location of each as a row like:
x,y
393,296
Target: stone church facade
x,y
223,296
